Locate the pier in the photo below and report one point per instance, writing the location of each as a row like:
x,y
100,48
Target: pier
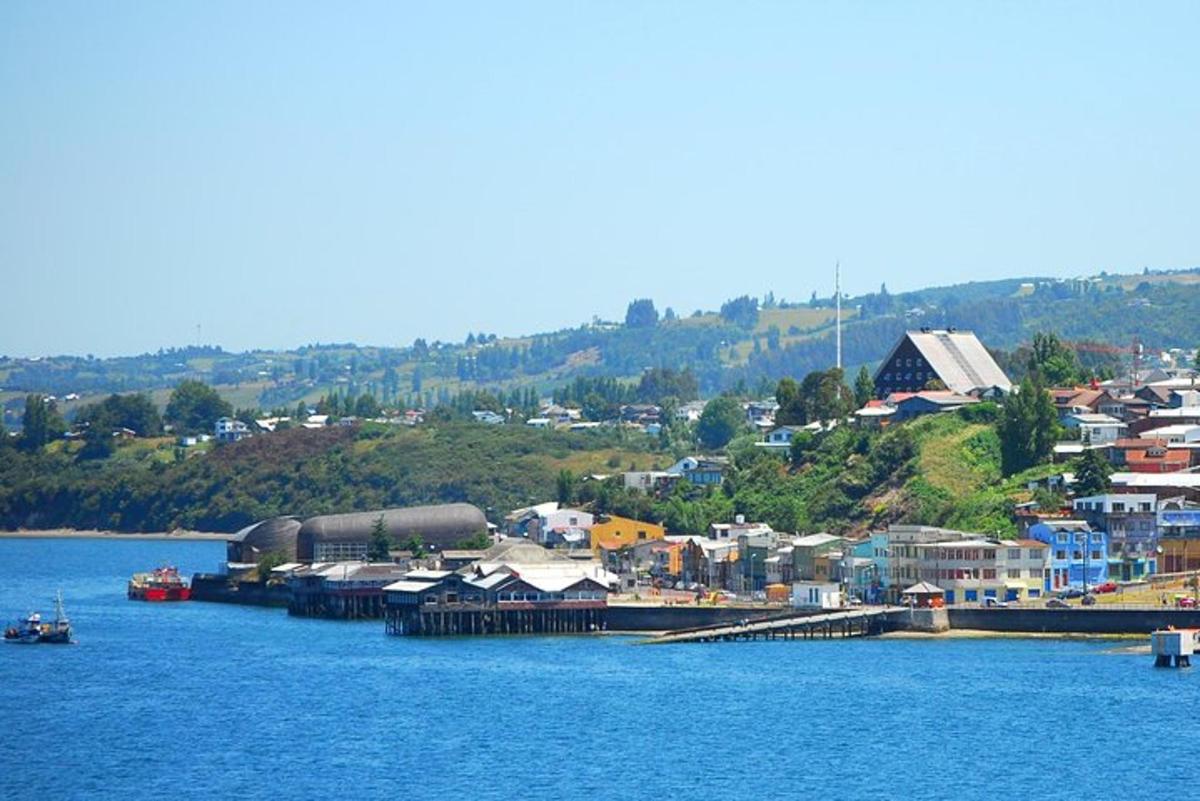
x,y
828,625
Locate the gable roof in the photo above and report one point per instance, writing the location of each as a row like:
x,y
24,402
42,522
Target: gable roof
x,y
958,357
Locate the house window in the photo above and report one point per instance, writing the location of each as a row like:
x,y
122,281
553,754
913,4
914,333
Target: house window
x,y
641,535
899,363
989,573
908,362
1014,553
1118,506
1014,573
1060,554
1096,556
1061,537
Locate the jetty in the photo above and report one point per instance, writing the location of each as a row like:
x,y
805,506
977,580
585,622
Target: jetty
x,y
808,626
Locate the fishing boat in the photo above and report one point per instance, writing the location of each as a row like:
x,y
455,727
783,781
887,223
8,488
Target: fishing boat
x,y
163,584
33,630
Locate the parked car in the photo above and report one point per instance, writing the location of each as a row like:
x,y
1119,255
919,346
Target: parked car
x,y
1108,586
994,602
1088,599
1186,602
1070,592
1055,603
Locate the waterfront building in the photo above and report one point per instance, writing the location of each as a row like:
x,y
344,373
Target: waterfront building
x,y
709,562
805,553
1078,555
276,536
346,590
1131,520
330,538
753,552
816,595
1179,537
612,532
973,570
518,587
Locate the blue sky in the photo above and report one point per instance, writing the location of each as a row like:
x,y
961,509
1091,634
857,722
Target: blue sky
x,y
287,173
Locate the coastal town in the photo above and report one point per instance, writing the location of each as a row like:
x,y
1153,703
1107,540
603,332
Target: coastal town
x,y
551,567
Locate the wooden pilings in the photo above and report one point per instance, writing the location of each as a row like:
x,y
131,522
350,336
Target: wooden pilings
x,y
439,622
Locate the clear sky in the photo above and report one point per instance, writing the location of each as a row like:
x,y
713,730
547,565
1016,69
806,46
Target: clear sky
x,y
286,173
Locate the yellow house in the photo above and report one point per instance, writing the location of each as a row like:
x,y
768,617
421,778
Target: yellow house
x,y
612,533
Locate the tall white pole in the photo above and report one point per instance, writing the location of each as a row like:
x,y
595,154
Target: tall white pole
x,y
837,292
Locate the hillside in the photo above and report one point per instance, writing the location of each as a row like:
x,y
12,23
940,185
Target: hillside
x,y
752,350
941,470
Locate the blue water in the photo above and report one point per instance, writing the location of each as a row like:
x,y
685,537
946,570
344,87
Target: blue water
x,y
217,702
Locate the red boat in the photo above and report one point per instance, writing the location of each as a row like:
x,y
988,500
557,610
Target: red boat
x,y
164,584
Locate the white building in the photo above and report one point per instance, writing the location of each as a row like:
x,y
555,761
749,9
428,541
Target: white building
x,y
228,429
816,595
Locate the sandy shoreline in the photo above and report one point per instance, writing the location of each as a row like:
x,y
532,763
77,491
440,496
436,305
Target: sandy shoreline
x,y
84,534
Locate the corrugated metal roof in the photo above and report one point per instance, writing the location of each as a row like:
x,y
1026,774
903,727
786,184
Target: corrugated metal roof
x,y
409,586
959,359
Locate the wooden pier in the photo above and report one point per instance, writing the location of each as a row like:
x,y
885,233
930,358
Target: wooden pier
x,y
820,626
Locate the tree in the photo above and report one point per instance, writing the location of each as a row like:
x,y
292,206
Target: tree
x,y
864,387
135,412
1052,362
641,314
773,334
195,407
1092,474
565,484
366,406
719,422
1028,427
41,423
381,542
742,312
822,395
415,545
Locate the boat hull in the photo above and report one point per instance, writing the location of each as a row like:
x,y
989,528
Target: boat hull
x,y
160,593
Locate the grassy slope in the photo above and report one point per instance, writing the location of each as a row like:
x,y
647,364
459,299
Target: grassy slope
x,y
955,481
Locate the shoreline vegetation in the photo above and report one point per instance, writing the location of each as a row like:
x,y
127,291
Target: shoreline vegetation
x,y
94,534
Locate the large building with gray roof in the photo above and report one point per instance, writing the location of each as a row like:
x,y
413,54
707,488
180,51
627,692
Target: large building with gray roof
x,y
332,538
955,358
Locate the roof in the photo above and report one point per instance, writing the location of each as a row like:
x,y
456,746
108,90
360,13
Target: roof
x,y
924,588
958,357
1183,480
1093,419
939,397
409,586
1182,411
441,525
813,540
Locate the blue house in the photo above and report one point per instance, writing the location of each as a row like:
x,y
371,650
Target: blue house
x,y
1074,549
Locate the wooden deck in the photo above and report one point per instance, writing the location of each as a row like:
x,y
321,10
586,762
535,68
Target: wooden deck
x,y
842,623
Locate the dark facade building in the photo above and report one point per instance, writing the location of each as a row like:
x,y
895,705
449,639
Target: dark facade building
x,y
955,358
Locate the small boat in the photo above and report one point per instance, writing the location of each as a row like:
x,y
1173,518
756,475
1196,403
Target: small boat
x,y
163,584
32,630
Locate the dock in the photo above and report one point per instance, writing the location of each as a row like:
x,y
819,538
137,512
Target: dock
x,y
806,626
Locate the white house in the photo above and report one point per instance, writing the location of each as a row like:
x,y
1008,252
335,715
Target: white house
x,y
780,438
816,595
1096,429
228,429
1178,434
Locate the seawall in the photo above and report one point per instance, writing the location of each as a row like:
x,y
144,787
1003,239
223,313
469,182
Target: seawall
x,y
219,589
1073,621
634,617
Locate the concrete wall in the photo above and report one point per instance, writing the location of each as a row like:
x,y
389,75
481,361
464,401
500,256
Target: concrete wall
x,y
673,618
1073,621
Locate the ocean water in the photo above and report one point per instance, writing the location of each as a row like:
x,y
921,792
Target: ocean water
x,y
221,702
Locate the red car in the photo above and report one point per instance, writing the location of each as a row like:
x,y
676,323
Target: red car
x,y
1108,586
1186,603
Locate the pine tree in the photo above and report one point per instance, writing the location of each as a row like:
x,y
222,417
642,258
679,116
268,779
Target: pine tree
x,y
1092,474
381,542
864,387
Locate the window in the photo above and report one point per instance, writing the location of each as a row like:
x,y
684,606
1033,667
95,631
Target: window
x,y
908,362
1097,556
1061,537
1014,573
989,553
1060,554
899,363
641,535
1118,506
919,362
989,573
1014,553
1035,553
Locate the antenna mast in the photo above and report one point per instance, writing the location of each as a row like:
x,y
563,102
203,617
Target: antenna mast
x,y
837,294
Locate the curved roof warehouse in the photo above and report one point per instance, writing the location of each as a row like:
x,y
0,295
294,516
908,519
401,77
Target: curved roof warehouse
x,y
330,538
274,535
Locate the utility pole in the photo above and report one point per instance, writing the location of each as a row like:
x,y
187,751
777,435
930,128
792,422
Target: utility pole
x,y
837,294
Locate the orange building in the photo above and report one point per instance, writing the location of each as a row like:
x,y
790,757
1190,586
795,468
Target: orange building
x,y
613,533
